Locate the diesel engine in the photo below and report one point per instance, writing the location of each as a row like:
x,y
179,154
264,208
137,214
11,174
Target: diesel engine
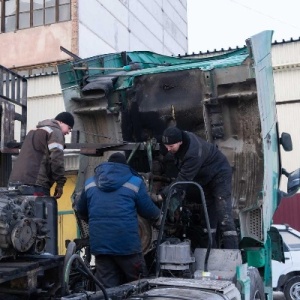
x,y
27,224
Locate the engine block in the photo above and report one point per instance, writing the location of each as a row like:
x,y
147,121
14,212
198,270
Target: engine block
x,y
23,224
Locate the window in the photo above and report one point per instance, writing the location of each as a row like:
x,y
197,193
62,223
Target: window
x,y
20,14
292,240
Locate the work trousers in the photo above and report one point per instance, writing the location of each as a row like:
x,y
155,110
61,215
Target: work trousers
x,y
219,207
113,270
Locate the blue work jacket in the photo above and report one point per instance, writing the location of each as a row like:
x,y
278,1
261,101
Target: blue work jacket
x,y
111,200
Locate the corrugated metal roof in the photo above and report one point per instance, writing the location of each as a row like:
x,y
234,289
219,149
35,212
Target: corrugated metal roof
x,y
286,55
288,121
45,101
287,84
43,107
286,65
71,162
222,50
43,86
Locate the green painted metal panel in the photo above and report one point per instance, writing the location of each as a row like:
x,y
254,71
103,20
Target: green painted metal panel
x,y
149,63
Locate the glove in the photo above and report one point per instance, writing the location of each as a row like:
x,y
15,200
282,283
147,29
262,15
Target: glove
x,y
157,222
58,192
175,203
156,198
165,191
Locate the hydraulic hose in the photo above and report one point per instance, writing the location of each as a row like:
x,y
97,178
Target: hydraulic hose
x,y
149,155
67,270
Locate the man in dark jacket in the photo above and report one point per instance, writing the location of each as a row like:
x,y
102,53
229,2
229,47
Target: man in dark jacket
x,y
202,162
40,163
110,201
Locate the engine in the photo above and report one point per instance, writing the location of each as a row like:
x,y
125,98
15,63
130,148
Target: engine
x,y
23,224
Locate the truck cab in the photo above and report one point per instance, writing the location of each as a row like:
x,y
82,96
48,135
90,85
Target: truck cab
x,y
124,101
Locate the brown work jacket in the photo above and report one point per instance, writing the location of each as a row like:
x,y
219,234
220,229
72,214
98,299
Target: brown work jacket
x,y
41,159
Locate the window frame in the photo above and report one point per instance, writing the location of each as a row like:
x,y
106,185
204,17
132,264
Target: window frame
x,y
56,18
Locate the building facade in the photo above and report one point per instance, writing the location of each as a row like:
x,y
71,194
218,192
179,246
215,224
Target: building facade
x,y
33,31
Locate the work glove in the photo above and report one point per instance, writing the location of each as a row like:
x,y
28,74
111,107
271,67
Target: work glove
x,y
157,222
165,191
58,192
156,197
175,203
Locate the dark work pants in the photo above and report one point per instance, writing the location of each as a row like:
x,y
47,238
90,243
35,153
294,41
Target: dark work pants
x,y
113,270
219,206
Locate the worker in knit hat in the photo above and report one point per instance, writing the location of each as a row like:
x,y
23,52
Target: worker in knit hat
x,y
202,162
40,162
111,201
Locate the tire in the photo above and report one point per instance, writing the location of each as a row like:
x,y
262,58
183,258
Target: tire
x,y
256,285
291,289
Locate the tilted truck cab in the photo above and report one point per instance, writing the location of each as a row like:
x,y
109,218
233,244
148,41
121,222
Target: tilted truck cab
x,y
124,101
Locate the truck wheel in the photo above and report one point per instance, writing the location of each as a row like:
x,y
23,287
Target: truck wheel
x,y
256,285
291,289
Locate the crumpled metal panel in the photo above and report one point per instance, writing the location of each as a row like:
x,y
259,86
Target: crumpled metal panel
x,y
159,98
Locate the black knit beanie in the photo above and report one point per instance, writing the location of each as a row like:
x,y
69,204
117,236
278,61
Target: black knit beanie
x,y
118,158
172,135
66,118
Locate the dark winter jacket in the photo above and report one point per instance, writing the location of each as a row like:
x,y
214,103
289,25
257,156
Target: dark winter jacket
x,y
111,200
200,161
41,159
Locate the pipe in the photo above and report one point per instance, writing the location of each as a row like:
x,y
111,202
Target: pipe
x,y
67,270
136,146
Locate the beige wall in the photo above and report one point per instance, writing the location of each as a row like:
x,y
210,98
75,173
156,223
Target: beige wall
x,y
36,45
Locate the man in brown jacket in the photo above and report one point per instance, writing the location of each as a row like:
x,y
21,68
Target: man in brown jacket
x,y
40,163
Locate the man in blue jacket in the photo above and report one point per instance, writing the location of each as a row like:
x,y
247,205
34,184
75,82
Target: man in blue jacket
x,y
111,200
202,162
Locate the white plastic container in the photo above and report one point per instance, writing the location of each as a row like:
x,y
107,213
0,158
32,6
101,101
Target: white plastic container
x,y
176,252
